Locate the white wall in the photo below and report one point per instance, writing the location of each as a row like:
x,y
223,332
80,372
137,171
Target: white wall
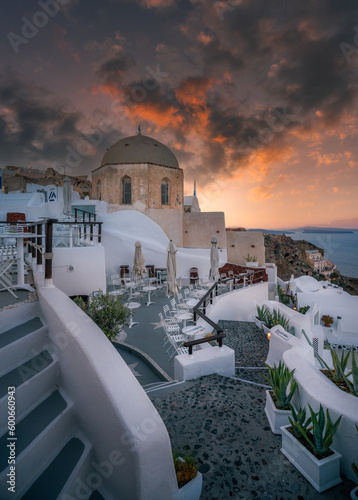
x,y
111,407
239,305
89,272
122,229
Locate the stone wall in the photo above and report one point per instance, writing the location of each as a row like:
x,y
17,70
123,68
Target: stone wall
x,y
146,185
241,243
198,229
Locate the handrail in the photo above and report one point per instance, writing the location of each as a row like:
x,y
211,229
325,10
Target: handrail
x,y
84,212
202,314
219,338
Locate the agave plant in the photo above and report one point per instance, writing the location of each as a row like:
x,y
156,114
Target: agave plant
x,y
261,313
277,318
339,365
279,379
322,432
352,386
299,420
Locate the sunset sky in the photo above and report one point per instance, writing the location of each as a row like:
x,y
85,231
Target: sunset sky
x,y
256,98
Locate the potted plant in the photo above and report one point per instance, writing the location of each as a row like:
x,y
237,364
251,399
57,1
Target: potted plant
x,y
307,445
278,400
327,320
190,480
107,311
250,260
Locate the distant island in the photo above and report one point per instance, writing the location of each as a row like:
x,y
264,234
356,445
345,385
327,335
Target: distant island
x,y
328,230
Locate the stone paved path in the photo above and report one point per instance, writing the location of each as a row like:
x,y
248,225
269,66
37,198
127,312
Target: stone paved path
x,y
221,421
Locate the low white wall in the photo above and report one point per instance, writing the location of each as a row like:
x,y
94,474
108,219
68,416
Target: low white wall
x,y
111,407
315,388
239,305
202,362
89,270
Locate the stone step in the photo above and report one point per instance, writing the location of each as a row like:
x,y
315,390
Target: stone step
x,y
40,435
18,342
52,481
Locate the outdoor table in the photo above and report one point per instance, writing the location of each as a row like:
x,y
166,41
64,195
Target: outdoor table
x,y
192,329
200,293
149,289
192,302
116,292
131,306
184,316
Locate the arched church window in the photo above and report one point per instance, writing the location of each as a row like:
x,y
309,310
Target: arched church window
x,y
99,194
165,192
126,190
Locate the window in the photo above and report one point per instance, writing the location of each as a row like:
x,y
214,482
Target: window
x,y
99,196
126,190
165,192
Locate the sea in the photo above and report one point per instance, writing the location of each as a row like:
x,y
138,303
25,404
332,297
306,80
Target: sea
x,y
340,248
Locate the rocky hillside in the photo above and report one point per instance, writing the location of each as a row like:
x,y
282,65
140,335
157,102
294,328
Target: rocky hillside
x,y
290,258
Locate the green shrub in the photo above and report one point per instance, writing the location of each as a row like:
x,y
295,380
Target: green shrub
x,y
303,309
107,311
261,313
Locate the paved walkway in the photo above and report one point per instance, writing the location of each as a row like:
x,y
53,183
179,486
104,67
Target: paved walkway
x,y
222,422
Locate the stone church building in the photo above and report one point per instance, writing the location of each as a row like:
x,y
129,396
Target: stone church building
x,y
140,173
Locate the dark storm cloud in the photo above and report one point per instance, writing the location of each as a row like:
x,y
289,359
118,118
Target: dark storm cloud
x,y
34,124
115,69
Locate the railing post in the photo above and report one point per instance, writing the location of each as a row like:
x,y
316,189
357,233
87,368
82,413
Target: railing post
x,y
216,289
76,220
91,231
99,233
48,249
39,245
211,297
204,307
85,232
33,241
194,319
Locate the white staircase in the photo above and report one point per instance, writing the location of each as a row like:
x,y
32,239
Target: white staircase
x,y
54,460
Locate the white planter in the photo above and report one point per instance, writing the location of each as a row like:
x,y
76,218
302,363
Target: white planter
x,y
354,493
322,474
251,264
265,329
277,418
258,323
191,490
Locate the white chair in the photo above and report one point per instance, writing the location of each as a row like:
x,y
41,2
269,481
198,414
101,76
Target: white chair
x,y
5,278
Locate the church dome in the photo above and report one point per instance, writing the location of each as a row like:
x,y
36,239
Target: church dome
x,y
139,149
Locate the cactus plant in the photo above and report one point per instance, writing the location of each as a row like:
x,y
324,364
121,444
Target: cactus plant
x,y
299,417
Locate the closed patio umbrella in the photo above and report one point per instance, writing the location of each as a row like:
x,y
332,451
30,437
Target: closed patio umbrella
x,y
214,260
67,196
139,268
172,287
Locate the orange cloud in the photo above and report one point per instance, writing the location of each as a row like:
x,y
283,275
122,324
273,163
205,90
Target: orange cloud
x,y
259,194
157,4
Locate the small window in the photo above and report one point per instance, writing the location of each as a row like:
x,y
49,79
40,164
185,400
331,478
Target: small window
x,y
99,194
165,192
126,191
